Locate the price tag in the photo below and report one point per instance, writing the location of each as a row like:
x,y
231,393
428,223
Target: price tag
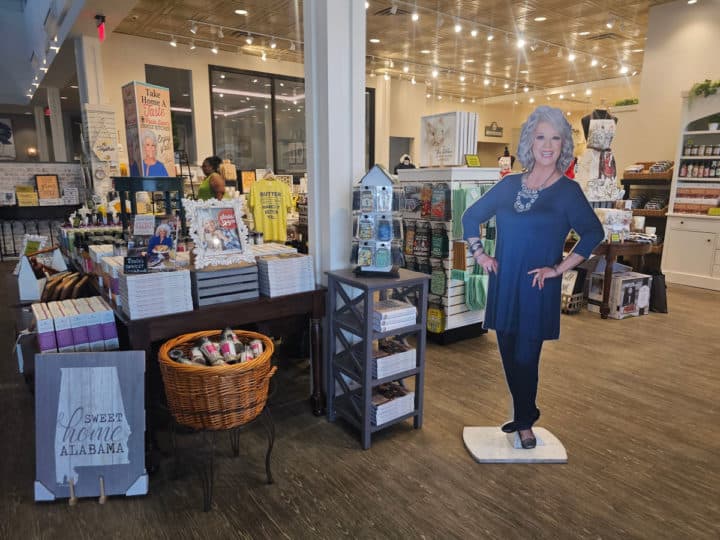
x,y
135,265
472,160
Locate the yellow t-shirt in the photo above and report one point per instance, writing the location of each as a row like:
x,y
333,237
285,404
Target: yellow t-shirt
x,y
269,202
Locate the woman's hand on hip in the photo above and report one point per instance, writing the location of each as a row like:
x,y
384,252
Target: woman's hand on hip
x,y
541,274
488,263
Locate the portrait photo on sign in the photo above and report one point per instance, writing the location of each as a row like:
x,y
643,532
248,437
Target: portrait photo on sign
x,y
218,232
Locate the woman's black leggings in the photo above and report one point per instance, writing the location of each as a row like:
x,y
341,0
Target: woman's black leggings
x,y
520,357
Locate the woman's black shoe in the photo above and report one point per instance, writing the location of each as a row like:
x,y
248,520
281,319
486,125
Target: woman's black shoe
x,y
529,443
510,427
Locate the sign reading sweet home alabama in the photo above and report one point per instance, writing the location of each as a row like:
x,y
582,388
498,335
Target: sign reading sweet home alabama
x,y
89,423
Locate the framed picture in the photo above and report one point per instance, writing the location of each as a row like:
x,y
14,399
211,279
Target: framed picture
x,y
218,231
7,140
48,186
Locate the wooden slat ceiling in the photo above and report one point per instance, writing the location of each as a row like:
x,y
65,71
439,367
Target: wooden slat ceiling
x,y
467,65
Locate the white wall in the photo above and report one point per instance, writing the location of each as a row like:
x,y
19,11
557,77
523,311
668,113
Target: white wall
x,y
681,49
124,59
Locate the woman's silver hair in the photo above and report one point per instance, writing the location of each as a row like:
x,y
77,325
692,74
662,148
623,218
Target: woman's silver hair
x,y
556,118
149,134
163,227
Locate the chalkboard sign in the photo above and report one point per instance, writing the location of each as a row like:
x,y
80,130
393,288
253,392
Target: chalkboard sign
x,y
89,424
135,265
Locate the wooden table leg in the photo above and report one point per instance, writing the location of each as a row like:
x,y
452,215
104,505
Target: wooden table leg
x,y
607,283
316,360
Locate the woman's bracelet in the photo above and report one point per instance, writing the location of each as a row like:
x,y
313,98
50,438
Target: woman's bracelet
x,y
476,247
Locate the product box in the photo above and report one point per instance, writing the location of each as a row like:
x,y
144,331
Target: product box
x,y
629,294
77,325
107,323
93,323
148,129
44,328
63,328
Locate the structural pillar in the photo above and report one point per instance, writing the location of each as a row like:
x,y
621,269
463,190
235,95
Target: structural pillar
x,y
41,133
88,64
335,125
57,131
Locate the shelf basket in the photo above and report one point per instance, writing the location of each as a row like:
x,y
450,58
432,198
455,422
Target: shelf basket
x,y
216,397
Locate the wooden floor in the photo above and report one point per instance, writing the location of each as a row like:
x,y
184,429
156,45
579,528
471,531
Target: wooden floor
x,y
636,403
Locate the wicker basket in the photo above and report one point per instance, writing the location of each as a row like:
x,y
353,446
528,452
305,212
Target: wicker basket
x,y
216,397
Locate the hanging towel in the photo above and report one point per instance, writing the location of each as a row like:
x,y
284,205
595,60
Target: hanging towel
x,y
458,209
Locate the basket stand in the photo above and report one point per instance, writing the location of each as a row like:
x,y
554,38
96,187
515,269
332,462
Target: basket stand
x,y
204,460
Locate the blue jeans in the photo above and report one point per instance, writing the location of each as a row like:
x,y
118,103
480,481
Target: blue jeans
x,y
521,357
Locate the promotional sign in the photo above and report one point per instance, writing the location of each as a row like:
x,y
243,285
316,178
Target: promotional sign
x,y
493,130
102,141
90,424
148,129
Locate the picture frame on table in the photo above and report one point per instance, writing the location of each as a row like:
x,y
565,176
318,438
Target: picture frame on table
x,y
218,231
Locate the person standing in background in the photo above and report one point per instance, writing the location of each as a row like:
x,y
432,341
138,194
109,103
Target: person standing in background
x,y
405,163
213,186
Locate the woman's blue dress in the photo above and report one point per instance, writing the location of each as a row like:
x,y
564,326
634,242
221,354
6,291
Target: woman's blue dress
x,y
529,240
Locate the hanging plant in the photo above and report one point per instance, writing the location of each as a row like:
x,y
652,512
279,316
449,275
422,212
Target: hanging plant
x,y
629,101
705,88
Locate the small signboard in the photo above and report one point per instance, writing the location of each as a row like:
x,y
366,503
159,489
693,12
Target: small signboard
x,y
144,225
89,424
48,186
472,160
493,130
135,265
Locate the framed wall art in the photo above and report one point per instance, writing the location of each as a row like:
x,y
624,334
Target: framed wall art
x,y
218,231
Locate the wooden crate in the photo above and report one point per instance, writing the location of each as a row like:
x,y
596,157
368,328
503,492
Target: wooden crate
x,y
224,284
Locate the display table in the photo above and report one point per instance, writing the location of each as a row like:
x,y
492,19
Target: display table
x,y
611,252
141,334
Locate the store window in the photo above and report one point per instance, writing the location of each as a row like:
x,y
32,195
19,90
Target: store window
x,y
179,81
290,126
242,117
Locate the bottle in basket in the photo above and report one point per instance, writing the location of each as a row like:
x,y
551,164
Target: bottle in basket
x,y
228,333
197,356
256,346
211,352
227,349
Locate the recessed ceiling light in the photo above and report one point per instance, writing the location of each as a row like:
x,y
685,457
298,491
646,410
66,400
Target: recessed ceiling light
x,y
593,62
572,95
458,28
568,113
691,2
374,40
473,32
584,33
570,81
520,43
540,19
415,17
490,37
406,68
588,92
425,51
516,102
526,89
427,95
561,96
435,73
506,86
524,71
571,57
623,70
486,82
241,12
637,50
469,61
532,100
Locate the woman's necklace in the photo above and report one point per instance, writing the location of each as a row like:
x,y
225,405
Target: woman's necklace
x,y
526,197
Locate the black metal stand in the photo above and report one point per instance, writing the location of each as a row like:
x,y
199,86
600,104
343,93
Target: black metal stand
x,y
205,464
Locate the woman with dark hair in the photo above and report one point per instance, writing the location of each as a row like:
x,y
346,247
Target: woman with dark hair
x,y
213,186
534,213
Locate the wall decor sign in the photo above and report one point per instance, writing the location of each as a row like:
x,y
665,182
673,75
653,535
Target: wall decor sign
x,y
219,233
472,160
48,186
493,130
89,424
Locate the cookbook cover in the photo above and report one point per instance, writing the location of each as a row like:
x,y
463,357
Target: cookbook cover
x,y
148,129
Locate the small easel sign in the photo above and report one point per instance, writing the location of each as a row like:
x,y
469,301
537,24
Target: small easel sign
x,y
89,425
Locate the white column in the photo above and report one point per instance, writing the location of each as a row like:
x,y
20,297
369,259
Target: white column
x,y
335,124
57,131
41,133
382,123
89,67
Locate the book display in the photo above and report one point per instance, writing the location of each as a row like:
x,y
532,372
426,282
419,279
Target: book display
x,y
369,360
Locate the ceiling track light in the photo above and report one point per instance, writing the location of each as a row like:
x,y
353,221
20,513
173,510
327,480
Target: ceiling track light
x,y
520,43
193,28
412,81
406,68
192,45
220,33
490,37
214,49
458,28
415,17
571,57
273,43
263,57
249,39
173,41
293,47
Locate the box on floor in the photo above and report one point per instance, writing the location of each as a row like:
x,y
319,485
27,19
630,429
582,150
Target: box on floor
x,y
629,294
